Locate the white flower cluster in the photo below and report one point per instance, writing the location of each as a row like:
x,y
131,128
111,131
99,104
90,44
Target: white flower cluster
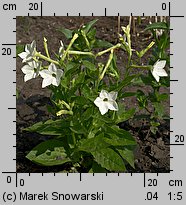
x,y
33,68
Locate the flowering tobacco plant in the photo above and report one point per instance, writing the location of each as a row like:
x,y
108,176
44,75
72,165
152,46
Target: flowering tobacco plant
x,y
87,99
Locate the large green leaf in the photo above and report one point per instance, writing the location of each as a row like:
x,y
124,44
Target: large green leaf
x,y
127,155
109,159
93,144
118,137
50,127
49,153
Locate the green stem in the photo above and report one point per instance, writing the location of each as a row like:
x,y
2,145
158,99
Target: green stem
x,y
46,58
69,46
139,66
107,65
109,49
80,53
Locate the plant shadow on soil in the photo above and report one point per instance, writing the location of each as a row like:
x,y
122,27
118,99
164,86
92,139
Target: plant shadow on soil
x,y
152,153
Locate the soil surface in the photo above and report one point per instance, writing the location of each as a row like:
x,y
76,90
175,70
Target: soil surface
x,y
151,155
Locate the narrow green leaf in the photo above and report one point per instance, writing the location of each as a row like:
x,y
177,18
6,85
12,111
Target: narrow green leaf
x,y
124,83
88,26
158,25
89,65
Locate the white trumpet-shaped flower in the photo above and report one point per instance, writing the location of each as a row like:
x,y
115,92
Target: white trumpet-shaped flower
x,y
30,50
31,70
106,101
158,70
51,76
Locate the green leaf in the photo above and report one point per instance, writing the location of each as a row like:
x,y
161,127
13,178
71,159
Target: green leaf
x,y
96,168
109,159
126,94
101,44
159,109
19,49
50,127
89,65
123,115
87,114
68,33
91,34
80,100
49,153
118,137
71,68
80,79
93,144
162,97
88,26
124,83
78,129
157,25
127,155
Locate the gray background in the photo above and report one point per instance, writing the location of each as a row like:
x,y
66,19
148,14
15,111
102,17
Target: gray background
x,y
122,189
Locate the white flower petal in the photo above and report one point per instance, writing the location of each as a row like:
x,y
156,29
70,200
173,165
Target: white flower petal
x,y
33,45
59,74
103,108
156,76
161,72
112,95
160,64
46,82
27,69
103,94
54,82
28,76
97,101
112,105
52,68
45,74
23,55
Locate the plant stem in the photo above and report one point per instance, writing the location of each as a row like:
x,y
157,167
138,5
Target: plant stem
x,y
109,49
46,58
139,66
80,53
69,46
107,65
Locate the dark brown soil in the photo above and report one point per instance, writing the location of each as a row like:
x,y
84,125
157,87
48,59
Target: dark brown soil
x,y
151,155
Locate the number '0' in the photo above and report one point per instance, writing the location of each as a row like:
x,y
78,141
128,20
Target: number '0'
x,y
164,6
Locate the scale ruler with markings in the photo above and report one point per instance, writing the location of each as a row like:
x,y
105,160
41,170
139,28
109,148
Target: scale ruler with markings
x,y
58,188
